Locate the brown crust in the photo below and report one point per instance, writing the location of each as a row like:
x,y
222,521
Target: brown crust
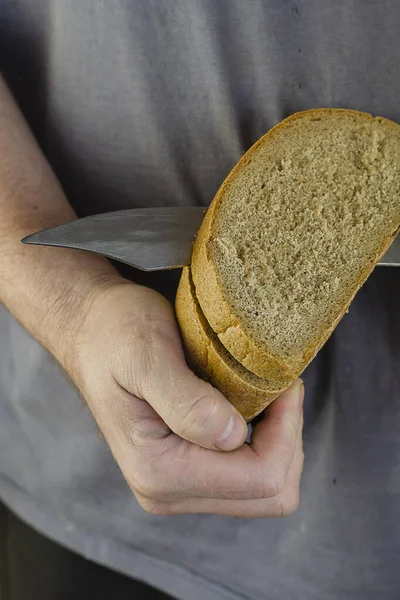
x,y
216,308
208,358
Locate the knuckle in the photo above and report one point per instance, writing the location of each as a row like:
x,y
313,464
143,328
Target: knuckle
x,y
278,483
278,509
274,485
154,507
200,415
268,482
288,503
154,479
259,489
146,484
291,505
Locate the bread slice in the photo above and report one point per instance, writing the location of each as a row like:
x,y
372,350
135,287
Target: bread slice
x,y
208,357
292,234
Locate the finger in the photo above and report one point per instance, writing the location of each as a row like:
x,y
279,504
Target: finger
x,y
274,438
280,421
129,424
290,496
242,474
192,408
280,505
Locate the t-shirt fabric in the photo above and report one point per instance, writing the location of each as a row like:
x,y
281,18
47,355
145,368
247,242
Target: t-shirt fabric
x,y
151,104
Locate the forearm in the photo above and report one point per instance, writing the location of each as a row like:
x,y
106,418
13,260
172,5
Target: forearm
x,y
45,288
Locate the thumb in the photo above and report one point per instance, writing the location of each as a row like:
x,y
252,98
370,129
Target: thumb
x,y
191,408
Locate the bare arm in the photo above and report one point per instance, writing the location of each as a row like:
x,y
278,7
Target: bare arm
x,y
120,344
43,287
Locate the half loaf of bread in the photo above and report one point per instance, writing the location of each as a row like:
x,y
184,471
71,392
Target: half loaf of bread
x,y
291,235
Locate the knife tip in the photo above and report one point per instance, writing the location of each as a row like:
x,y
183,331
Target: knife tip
x,y
29,239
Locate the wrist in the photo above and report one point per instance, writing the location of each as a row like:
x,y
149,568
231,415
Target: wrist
x,y
50,290
70,310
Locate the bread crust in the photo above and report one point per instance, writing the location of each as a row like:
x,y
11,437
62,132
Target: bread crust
x,y
209,360
220,314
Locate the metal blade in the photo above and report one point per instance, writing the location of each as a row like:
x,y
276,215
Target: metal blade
x,y
392,256
150,239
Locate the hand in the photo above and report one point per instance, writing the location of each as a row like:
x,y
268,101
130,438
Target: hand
x,y
169,431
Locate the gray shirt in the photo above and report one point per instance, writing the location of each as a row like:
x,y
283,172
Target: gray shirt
x,y
150,104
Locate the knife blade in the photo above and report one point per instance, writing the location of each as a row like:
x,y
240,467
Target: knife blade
x,y
150,239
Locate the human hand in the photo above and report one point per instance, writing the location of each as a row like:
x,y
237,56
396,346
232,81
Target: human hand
x,y
178,441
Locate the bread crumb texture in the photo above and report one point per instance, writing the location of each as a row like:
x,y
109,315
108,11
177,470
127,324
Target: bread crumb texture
x,y
302,220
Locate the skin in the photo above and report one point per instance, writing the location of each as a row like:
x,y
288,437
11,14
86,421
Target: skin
x,y
178,442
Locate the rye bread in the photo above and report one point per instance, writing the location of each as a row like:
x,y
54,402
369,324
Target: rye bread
x,y
249,393
293,233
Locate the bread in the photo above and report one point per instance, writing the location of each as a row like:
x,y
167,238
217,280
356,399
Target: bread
x,y
248,392
293,233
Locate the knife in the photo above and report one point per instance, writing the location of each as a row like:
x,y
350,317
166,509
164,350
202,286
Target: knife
x,y
150,239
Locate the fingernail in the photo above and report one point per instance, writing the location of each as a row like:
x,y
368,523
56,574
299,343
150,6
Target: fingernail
x,y
234,434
